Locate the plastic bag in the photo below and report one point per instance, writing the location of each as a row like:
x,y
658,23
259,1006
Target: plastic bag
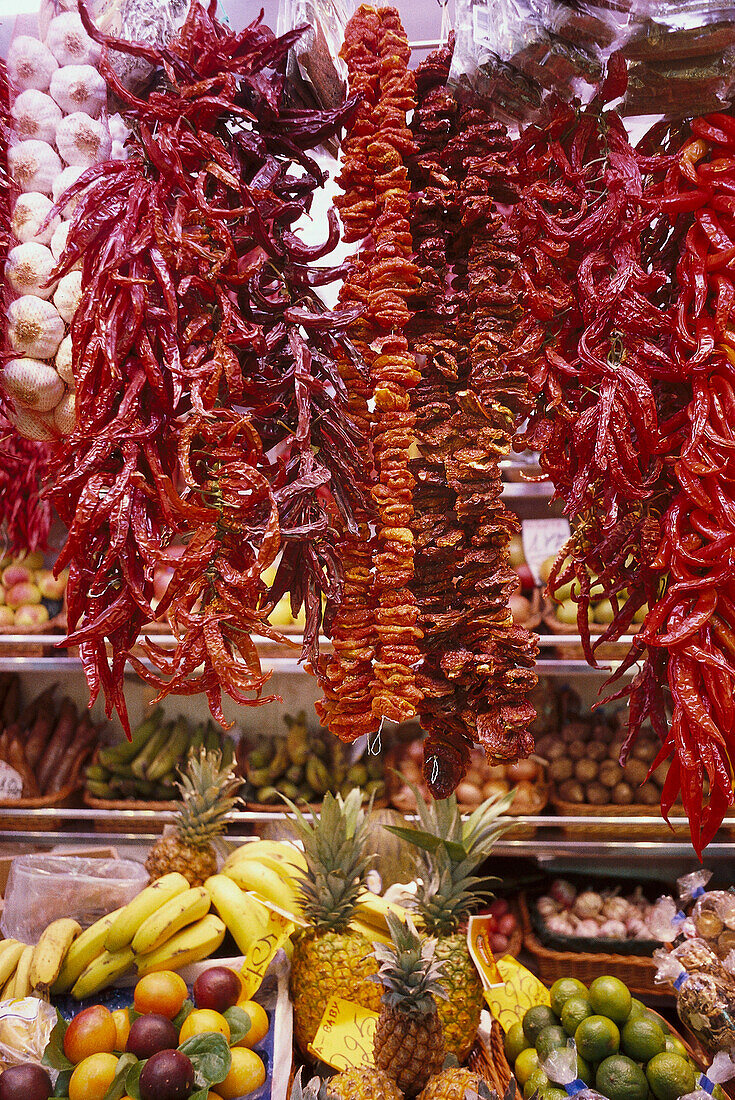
x,y
25,1029
42,888
561,1069
721,1070
315,70
705,992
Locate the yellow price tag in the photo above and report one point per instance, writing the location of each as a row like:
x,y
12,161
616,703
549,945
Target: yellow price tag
x,y
345,1036
478,942
510,989
261,952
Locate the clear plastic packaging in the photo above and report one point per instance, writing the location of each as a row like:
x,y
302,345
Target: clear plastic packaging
x,y
705,992
721,1070
315,70
43,887
561,1069
712,916
25,1029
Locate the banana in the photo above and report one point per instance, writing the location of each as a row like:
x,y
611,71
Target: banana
x,y
10,952
372,909
170,918
7,994
131,916
369,931
167,757
254,876
150,750
126,751
85,949
297,739
317,776
21,980
192,944
101,972
275,851
245,917
50,952
280,763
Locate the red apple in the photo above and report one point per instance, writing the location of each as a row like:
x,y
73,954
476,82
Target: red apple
x,y
7,616
499,944
31,615
51,587
21,595
525,575
507,924
16,574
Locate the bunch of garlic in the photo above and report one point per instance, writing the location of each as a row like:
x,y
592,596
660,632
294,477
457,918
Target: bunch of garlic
x,y
60,129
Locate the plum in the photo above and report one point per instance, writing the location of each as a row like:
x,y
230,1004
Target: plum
x,y
167,1075
30,1082
217,988
151,1033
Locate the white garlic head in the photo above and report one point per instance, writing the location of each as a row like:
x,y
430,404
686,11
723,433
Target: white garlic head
x,y
49,9
69,42
34,165
35,328
28,268
35,115
63,181
79,88
32,425
30,63
65,414
118,151
83,140
68,295
29,213
32,384
118,130
62,362
58,243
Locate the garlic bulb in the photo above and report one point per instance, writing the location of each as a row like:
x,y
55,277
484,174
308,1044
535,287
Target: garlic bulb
x,y
65,414
63,181
118,130
58,244
28,269
33,385
62,362
49,9
34,165
29,214
31,426
35,115
82,140
79,88
30,63
34,327
69,42
68,295
118,151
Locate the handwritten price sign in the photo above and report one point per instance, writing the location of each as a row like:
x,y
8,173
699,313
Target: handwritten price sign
x,y
11,783
510,990
346,1035
542,539
261,953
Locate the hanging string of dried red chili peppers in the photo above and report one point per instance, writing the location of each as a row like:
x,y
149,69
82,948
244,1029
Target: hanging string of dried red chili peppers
x,y
198,331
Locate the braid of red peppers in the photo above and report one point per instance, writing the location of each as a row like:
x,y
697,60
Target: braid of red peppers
x,y
193,284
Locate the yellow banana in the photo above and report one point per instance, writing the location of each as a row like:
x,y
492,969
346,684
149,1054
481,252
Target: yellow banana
x,y
372,909
192,944
86,948
269,851
369,931
10,952
21,980
102,971
245,917
170,918
130,918
254,876
50,952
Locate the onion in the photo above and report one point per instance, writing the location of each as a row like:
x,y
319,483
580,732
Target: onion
x,y
520,608
546,906
588,929
588,904
563,892
613,929
522,769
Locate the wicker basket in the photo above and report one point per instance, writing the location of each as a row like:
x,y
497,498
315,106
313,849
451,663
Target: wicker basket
x,y
102,826
637,971
658,830
487,1059
69,796
573,651
48,635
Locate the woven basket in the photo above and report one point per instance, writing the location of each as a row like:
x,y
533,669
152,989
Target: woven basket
x,y
573,651
637,971
658,830
102,826
59,800
487,1059
48,635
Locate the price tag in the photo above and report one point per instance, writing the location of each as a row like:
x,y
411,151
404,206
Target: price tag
x,y
517,991
297,921
478,942
346,1035
543,539
261,953
11,783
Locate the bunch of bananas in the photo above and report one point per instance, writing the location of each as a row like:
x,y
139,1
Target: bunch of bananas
x,y
304,766
145,768
31,971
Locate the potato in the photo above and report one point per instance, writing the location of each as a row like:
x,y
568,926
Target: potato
x,y
596,751
648,795
468,794
526,799
585,770
495,787
614,749
596,794
572,791
561,769
623,794
610,773
496,771
635,772
645,750
577,749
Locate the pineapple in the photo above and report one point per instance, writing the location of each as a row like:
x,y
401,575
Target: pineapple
x,y
208,791
365,1083
456,1083
409,1044
329,959
451,851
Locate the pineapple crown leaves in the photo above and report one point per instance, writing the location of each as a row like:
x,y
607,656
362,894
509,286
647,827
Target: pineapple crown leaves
x,y
447,892
316,1089
208,792
336,859
408,969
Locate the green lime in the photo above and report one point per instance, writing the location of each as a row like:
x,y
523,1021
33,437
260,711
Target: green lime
x,y
553,1094
562,990
610,997
619,1078
585,1072
575,1010
525,1064
718,1094
642,1039
651,1015
597,1038
515,1041
670,1076
637,1008
551,1038
675,1046
537,1081
535,1020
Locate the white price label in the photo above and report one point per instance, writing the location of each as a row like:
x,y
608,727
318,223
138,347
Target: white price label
x,y
543,539
11,783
